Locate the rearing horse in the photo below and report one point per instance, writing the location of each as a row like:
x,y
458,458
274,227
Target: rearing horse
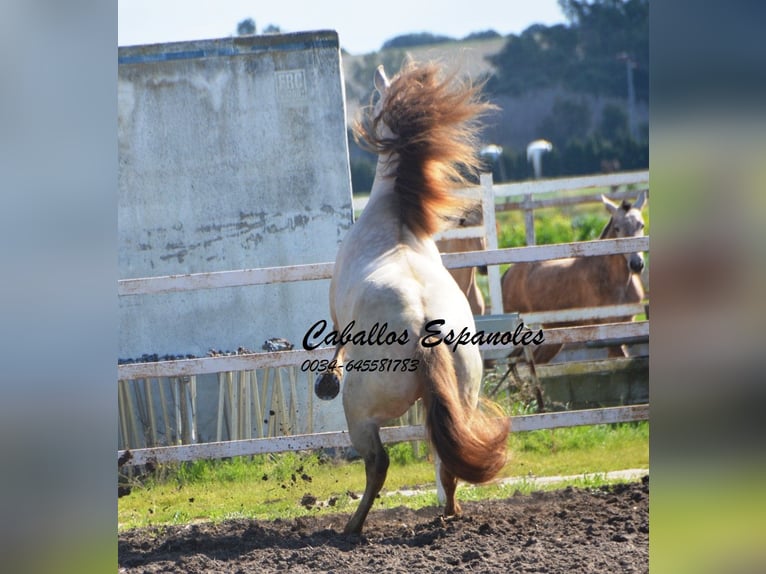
x,y
389,276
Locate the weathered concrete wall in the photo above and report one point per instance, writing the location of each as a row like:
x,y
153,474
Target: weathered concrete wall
x,y
232,155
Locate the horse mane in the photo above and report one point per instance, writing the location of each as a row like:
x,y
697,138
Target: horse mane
x,y
434,120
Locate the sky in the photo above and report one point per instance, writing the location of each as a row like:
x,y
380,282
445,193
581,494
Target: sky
x,y
362,25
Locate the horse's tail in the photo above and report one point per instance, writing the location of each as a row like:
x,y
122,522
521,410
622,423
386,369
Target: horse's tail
x,y
470,441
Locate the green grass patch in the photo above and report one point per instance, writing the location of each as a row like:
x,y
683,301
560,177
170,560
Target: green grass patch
x,y
273,486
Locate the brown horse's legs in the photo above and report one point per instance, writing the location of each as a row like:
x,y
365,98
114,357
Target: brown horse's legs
x,y
449,482
367,441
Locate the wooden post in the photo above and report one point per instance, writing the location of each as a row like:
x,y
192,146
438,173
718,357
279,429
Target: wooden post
x,y
490,235
529,219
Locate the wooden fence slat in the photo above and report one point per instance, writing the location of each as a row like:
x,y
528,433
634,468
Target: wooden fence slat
x,y
340,439
245,277
582,313
565,201
539,252
208,365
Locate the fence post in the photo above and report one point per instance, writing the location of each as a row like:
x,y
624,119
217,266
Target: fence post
x,y
490,235
529,219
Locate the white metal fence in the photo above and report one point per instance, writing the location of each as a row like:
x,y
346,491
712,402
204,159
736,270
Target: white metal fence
x,y
253,384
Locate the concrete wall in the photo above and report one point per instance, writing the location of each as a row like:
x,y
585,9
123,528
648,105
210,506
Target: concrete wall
x,y
232,155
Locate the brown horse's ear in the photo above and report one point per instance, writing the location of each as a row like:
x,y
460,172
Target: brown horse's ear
x,y
381,80
640,201
611,207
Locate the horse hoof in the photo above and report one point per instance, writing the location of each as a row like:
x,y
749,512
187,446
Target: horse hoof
x,y
327,386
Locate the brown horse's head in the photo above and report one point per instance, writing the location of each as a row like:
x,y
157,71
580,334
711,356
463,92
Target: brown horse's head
x,y
626,221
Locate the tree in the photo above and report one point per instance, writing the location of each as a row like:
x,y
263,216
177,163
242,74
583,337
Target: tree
x,y
483,35
412,40
614,123
246,27
568,119
583,56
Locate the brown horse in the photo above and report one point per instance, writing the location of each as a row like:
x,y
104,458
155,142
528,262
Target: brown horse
x,y
389,283
465,277
581,281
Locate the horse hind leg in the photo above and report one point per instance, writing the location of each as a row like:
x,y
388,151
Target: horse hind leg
x,y
446,487
366,440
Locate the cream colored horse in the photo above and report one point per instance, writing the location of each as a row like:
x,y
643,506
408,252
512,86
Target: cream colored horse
x,y
389,283
581,281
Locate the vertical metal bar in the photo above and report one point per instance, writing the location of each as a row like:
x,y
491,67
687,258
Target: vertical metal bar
x,y
246,402
232,394
183,396
132,427
121,406
221,399
176,390
193,389
257,402
270,408
150,412
291,372
284,426
310,402
164,406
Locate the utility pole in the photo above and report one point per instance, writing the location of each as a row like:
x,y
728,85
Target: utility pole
x,y
630,64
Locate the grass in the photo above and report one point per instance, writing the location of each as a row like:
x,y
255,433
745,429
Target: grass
x,y
273,486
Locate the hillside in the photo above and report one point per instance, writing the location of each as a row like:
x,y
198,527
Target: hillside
x,y
520,118
469,56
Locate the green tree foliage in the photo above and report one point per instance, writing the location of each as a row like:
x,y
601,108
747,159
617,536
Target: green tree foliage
x,y
614,123
246,27
569,118
417,39
483,35
588,56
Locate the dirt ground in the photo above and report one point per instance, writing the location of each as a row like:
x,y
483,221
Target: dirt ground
x,y
566,531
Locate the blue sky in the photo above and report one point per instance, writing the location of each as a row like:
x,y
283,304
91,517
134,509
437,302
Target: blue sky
x,y
361,25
